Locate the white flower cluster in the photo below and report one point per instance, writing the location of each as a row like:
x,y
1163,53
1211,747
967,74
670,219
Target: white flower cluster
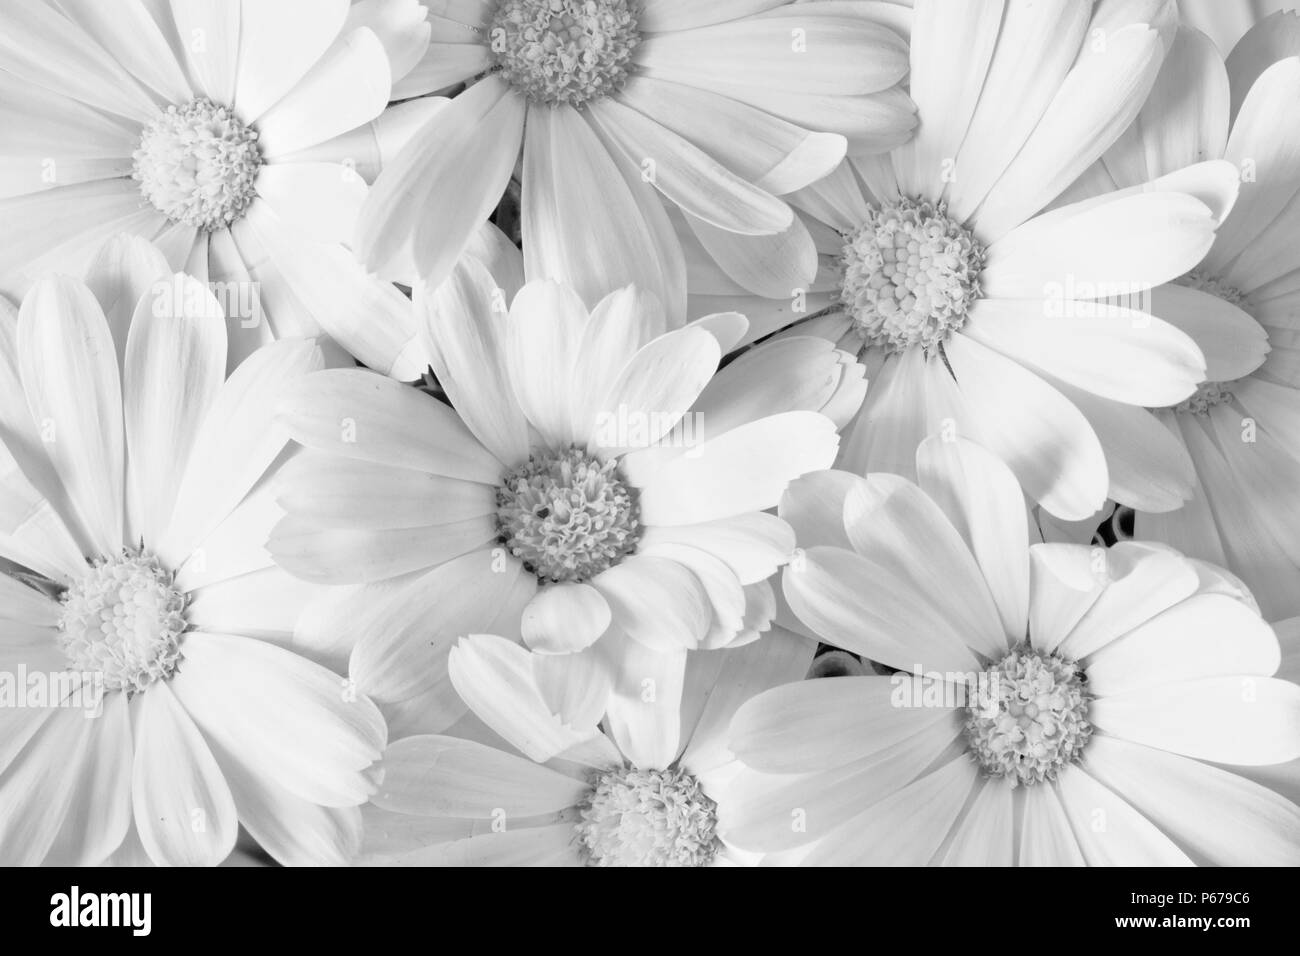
x,y
472,433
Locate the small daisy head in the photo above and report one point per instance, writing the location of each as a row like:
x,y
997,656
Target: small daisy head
x,y
570,52
567,516
124,618
647,818
198,164
1029,718
910,275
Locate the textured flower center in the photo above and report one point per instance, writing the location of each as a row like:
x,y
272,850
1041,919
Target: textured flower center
x,y
1204,282
910,275
567,516
648,818
197,164
564,51
124,619
1029,717
1206,396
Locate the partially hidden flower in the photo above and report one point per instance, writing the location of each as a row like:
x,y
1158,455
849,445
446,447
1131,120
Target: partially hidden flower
x,y
239,137
975,312
141,619
632,125
1235,442
526,790
1050,705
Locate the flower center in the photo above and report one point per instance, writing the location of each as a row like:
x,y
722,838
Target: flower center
x,y
910,275
567,516
1206,396
197,164
564,51
647,818
1029,717
124,618
1204,282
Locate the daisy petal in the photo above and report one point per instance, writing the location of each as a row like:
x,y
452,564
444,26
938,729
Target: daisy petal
x,y
175,365
571,176
70,374
1115,353
808,726
1243,720
295,726
1045,440
565,618
1266,137
744,469
495,678
1186,643
235,444
468,149
402,640
1217,817
906,828
1109,831
621,324
37,42
1046,838
1118,247
644,708
347,87
979,495
776,156
468,332
986,835
278,44
130,33
660,382
542,334
849,55
688,177
1139,581
368,417
184,813
657,602
1095,102
884,517
444,776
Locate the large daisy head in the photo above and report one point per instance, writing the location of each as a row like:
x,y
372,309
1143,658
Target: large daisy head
x,y
974,313
143,623
1049,705
1234,444
594,476
638,123
237,136
514,786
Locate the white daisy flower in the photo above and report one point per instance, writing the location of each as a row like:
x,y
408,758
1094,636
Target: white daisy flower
x,y
135,497
238,136
1054,704
608,110
1237,439
594,480
533,792
971,316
